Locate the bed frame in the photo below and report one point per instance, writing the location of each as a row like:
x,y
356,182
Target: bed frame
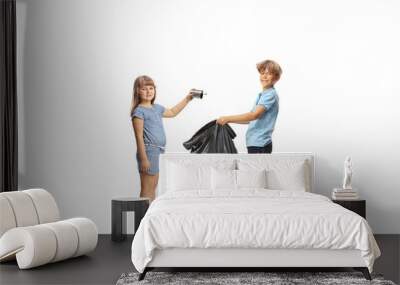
x,y
248,258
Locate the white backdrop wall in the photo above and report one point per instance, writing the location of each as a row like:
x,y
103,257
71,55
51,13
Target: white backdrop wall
x,y
77,60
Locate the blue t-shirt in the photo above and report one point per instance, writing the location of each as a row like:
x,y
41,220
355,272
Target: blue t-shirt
x,y
260,131
153,128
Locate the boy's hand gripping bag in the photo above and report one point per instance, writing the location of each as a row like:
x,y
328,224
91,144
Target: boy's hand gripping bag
x,y
212,138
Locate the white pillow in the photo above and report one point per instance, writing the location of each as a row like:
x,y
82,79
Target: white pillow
x,y
181,177
193,174
282,174
251,178
288,178
223,179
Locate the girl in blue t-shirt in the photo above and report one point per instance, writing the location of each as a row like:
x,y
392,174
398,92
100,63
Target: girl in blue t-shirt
x,y
149,131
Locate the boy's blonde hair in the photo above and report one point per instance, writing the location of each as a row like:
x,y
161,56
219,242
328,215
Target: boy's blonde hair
x,y
272,67
141,81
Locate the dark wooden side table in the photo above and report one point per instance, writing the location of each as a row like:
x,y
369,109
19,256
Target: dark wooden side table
x,y
119,207
357,206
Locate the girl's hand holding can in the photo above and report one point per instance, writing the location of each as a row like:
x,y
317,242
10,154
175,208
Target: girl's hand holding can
x,y
189,97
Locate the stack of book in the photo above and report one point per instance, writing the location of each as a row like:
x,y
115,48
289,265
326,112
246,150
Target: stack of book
x,y
344,194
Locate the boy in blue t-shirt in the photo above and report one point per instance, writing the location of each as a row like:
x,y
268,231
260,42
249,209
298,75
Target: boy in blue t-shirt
x,y
262,117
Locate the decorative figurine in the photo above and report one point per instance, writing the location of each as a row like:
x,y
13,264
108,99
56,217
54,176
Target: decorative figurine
x,y
348,172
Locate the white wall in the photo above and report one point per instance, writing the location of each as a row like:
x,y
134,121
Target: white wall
x,y
77,61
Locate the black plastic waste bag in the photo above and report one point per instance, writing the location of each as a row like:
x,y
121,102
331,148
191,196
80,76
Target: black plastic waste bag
x,y
212,138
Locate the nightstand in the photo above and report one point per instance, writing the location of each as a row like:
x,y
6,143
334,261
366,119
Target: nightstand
x,y
119,207
357,206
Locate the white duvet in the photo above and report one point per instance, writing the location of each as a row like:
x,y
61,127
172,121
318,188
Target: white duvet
x,y
251,218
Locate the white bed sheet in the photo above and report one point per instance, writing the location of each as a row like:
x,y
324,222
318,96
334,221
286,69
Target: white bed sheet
x,y
252,218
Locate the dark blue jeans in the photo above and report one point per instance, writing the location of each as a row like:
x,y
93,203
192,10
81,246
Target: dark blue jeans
x,y
260,149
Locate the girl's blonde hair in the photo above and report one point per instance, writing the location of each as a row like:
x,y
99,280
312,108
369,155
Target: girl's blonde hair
x,y
141,81
272,67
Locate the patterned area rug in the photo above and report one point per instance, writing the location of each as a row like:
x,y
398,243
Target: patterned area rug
x,y
270,278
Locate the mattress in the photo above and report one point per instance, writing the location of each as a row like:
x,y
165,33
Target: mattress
x,y
250,219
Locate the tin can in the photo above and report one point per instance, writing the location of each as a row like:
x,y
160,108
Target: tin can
x,y
196,93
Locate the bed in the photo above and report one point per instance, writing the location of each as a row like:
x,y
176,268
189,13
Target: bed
x,y
245,211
